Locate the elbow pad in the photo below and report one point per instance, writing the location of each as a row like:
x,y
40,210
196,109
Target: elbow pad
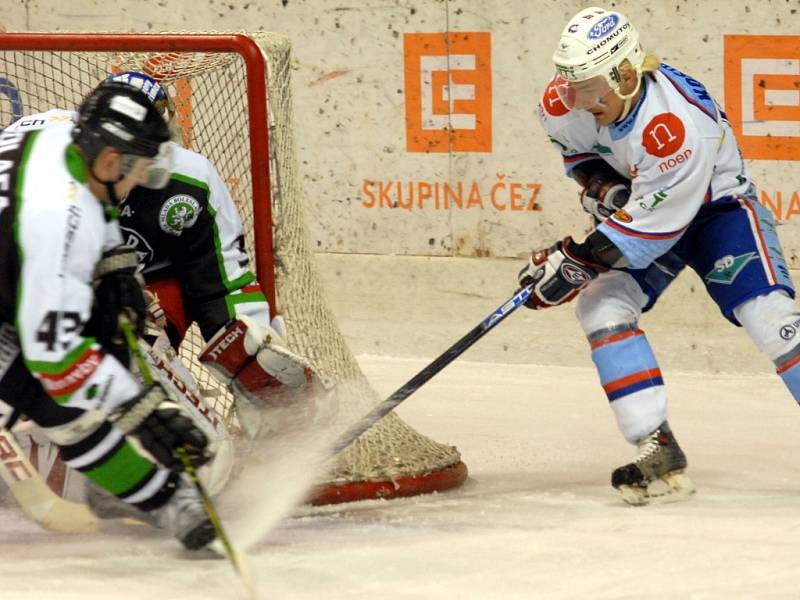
x,y
598,249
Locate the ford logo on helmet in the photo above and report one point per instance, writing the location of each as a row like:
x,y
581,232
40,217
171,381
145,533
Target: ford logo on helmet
x,y
602,28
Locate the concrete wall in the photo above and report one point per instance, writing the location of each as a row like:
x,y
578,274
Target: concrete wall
x,y
418,306
358,92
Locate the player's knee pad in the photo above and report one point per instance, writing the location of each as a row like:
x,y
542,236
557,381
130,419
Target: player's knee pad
x,y
613,299
773,322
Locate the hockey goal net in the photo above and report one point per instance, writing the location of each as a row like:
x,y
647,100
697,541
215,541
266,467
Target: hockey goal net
x,y
233,104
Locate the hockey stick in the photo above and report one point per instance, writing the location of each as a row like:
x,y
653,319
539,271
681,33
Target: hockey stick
x,y
444,359
35,497
182,388
133,344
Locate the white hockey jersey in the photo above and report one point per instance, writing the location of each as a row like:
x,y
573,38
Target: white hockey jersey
x,y
54,231
676,147
190,231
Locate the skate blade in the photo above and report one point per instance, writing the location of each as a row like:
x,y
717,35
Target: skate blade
x,y
672,487
634,495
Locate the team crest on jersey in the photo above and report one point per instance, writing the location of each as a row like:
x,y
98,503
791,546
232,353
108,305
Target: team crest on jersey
x,y
178,213
727,268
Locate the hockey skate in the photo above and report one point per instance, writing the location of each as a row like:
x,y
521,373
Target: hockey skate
x,y
183,515
660,461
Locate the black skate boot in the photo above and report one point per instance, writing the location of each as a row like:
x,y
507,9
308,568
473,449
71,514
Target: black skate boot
x,y
185,517
659,459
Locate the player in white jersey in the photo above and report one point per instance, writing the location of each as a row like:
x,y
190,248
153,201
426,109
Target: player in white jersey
x,y
65,281
189,240
663,176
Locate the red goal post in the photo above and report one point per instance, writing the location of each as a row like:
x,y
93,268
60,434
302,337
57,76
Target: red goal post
x,y
233,104
172,45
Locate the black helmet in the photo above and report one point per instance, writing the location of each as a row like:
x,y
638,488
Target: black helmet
x,y
117,115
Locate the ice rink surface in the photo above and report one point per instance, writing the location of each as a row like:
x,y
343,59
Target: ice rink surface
x,y
537,518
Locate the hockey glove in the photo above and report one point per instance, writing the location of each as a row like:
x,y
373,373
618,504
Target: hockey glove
x,y
558,275
161,427
604,190
253,360
601,199
118,289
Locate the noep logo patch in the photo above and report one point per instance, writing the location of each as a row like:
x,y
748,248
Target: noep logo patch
x,y
178,213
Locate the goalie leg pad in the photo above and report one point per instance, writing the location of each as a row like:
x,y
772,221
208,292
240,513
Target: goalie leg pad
x,y
274,367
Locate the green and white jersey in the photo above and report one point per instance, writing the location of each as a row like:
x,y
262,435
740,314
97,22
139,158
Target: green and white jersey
x,y
189,231
53,232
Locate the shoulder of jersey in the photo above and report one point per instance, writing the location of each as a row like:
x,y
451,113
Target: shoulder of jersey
x,y
58,193
665,126
555,116
43,120
189,162
550,104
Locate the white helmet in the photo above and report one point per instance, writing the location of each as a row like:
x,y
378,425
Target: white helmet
x,y
595,42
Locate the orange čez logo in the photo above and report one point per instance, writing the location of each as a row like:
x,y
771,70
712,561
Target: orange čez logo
x,y
663,135
762,79
448,82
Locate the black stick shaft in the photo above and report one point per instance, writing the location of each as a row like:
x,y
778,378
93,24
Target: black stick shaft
x,y
426,374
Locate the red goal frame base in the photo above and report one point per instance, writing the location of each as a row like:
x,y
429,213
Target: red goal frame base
x,y
402,487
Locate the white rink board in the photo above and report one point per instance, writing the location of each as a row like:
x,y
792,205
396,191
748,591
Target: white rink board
x,y
350,97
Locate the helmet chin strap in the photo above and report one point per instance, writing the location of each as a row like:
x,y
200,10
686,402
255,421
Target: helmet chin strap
x,y
112,192
110,189
628,98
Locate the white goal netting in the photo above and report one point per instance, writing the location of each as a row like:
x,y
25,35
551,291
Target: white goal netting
x,y
211,93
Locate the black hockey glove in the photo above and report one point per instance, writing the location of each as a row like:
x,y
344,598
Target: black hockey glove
x,y
558,275
118,289
161,426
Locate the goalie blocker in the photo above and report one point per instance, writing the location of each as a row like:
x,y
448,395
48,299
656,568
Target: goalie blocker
x,y
275,389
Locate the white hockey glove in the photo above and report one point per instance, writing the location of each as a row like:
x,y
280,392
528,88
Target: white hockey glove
x,y
558,274
253,360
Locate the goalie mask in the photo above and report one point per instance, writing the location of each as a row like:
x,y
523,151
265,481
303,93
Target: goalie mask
x,y
592,47
117,115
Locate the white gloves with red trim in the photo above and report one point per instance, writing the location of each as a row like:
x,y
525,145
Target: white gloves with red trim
x,y
558,275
